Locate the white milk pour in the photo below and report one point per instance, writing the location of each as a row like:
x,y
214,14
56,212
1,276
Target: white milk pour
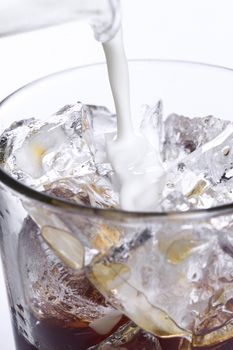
x,y
135,159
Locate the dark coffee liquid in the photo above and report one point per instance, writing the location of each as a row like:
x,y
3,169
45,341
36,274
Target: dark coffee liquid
x,y
49,336
55,338
59,339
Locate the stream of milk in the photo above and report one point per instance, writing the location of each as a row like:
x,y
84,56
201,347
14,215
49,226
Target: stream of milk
x,y
134,158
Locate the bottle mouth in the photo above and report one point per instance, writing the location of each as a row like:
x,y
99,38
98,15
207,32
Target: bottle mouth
x,y
28,193
106,26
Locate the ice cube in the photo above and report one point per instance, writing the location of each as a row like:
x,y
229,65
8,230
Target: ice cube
x,y
31,157
96,121
90,190
177,282
12,140
174,201
203,178
184,135
106,238
69,144
53,290
65,245
105,324
103,120
129,336
152,126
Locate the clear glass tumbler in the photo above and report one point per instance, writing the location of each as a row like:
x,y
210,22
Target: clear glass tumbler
x,y
114,279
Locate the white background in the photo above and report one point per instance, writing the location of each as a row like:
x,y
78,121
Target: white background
x,y
197,30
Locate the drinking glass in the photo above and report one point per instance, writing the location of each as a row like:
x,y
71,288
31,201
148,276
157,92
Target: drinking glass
x,y
80,277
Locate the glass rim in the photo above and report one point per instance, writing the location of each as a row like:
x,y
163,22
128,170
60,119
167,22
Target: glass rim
x,y
117,214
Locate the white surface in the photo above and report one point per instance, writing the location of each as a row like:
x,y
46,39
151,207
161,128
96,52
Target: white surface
x,y
193,30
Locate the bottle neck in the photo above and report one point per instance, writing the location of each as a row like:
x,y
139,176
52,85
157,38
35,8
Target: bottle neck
x,y
25,15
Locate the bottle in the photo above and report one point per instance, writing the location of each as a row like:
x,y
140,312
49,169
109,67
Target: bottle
x,y
24,15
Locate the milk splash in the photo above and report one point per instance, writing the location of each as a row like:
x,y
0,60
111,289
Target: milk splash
x,y
134,156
